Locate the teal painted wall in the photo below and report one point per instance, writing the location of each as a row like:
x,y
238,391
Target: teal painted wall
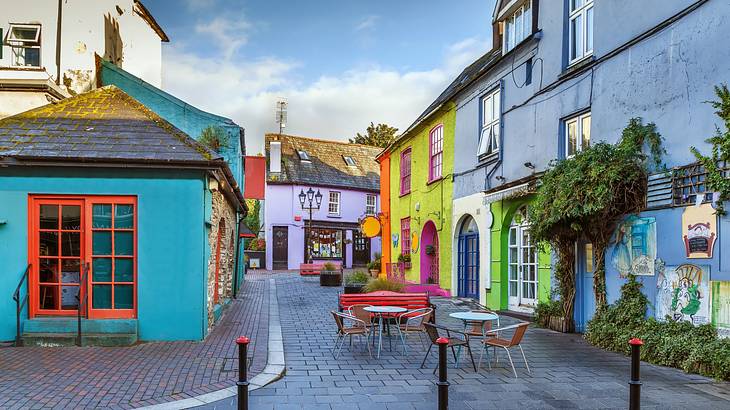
x,y
184,116
171,235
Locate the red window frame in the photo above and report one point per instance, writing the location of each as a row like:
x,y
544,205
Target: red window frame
x,y
405,234
405,171
436,153
86,253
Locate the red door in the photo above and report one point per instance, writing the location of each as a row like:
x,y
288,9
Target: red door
x,y
66,233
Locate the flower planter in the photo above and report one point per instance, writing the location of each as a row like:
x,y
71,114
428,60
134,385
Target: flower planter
x,y
354,288
559,324
374,272
330,278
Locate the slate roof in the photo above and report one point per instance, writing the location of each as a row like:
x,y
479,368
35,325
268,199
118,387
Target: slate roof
x,y
327,166
101,125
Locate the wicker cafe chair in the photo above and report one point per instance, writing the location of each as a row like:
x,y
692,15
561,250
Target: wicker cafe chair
x,y
433,333
412,321
348,325
515,341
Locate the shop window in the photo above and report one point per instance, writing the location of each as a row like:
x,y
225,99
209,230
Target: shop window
x,y
325,243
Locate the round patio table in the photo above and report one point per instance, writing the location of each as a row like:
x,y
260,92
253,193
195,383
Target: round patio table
x,y
379,311
471,317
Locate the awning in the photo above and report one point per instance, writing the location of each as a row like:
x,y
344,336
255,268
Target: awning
x,y
506,193
244,231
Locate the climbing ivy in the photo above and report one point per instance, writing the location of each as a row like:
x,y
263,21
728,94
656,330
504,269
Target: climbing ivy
x,y
715,179
585,196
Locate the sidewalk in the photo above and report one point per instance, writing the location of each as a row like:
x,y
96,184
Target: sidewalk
x,y
142,375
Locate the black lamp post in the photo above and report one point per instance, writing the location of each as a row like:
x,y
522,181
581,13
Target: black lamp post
x,y
310,202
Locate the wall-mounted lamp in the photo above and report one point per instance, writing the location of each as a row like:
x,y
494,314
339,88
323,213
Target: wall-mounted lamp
x,y
529,165
418,206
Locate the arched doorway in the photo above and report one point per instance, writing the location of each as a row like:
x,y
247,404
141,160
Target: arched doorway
x,y
468,259
429,254
522,263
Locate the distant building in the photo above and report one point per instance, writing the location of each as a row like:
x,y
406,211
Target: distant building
x,y
347,177
47,48
100,185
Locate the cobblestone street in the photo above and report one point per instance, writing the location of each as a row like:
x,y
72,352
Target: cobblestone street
x,y
567,372
149,373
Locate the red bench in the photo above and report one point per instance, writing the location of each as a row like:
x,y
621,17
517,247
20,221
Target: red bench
x,y
313,269
408,301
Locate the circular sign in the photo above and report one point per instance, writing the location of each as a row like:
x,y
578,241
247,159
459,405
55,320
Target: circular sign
x,y
370,226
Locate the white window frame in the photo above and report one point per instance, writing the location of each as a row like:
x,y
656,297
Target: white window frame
x,y
490,123
350,161
580,12
514,35
303,155
578,120
18,46
333,206
371,204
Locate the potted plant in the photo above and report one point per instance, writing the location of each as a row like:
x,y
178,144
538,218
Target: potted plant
x,y
405,259
355,282
374,265
256,253
331,275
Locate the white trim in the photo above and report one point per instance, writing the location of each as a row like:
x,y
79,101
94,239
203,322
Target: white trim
x,y
578,121
582,13
474,206
336,202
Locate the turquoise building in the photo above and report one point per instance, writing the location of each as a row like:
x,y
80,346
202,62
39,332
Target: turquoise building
x,y
112,210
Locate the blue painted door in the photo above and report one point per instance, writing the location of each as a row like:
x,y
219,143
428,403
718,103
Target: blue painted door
x,y
468,266
585,304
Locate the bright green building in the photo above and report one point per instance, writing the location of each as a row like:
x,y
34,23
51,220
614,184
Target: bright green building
x,y
421,188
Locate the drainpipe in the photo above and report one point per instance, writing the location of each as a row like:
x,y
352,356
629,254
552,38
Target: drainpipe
x,y
58,42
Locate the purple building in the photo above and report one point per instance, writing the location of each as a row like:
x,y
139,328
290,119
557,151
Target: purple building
x,y
348,179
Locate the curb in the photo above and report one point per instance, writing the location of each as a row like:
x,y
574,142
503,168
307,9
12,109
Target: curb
x,y
274,370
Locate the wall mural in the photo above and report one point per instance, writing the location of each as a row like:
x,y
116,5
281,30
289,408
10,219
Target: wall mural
x,y
699,230
634,251
683,294
721,307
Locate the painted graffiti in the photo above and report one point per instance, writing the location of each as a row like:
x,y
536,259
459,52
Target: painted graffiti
x,y
683,294
634,251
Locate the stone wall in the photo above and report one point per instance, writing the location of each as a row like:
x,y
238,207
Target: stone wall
x,y
222,212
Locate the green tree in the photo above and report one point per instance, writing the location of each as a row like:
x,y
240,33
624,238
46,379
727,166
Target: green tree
x,y
215,138
253,219
716,180
380,135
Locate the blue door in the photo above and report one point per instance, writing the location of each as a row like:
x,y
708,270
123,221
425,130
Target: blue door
x,y
585,303
468,260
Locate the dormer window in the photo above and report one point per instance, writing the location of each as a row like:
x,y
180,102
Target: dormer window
x,y
517,27
349,161
303,156
25,44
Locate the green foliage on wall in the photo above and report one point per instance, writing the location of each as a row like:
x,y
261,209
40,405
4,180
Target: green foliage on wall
x,y
253,218
695,349
586,195
215,138
716,181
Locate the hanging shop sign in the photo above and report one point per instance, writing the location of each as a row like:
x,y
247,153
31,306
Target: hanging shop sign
x,y
370,226
699,231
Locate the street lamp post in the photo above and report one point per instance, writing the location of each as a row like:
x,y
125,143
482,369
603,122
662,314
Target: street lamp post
x,y
313,201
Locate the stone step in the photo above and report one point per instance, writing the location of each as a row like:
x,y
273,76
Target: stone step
x,y
69,325
88,339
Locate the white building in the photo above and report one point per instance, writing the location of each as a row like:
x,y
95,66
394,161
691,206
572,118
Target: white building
x,y
48,47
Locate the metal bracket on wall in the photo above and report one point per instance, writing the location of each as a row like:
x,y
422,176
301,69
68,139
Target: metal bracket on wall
x,y
3,221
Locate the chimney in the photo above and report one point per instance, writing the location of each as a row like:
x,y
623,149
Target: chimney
x,y
275,156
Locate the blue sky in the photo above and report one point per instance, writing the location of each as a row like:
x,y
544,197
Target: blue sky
x,y
339,63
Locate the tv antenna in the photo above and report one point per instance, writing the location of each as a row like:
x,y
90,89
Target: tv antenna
x,y
281,105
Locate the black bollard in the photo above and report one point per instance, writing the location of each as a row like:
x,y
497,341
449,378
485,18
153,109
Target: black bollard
x,y
443,383
242,382
635,383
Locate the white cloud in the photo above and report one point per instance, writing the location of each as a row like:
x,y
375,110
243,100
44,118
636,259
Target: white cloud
x,y
332,107
227,34
368,23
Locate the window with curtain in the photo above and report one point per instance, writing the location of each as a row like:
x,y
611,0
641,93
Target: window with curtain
x,y
405,171
436,152
405,234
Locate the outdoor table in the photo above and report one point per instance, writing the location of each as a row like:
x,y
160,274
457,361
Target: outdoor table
x,y
379,311
470,317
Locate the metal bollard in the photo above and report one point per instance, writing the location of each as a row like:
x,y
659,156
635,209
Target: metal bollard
x,y
635,383
242,382
443,384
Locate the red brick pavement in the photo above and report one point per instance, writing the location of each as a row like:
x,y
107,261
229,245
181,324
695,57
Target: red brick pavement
x,y
149,373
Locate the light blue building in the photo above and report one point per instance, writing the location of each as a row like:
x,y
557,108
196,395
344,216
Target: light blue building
x,y
105,202
567,73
